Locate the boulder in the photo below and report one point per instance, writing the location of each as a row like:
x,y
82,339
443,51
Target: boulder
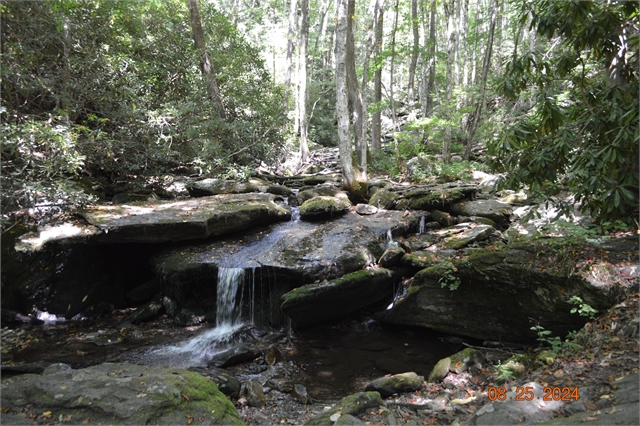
x,y
351,405
465,359
366,209
235,356
219,186
383,199
255,394
299,393
495,210
320,191
501,288
440,370
308,305
399,383
322,207
466,237
391,257
120,393
162,221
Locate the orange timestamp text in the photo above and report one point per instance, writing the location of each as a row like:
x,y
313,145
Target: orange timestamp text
x,y
526,394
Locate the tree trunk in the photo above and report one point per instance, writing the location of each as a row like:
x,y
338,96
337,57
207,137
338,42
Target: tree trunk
x,y
376,130
355,97
449,9
414,53
486,63
365,72
302,86
432,61
354,179
391,99
205,64
289,59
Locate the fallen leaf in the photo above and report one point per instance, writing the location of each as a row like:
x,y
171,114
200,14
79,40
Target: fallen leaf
x,y
186,398
85,422
80,399
558,374
5,410
47,414
141,395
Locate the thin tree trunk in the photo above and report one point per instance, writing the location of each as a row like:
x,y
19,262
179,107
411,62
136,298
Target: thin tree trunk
x,y
355,97
486,63
323,20
354,179
376,128
365,71
391,96
289,59
432,61
449,8
302,86
465,37
414,53
205,64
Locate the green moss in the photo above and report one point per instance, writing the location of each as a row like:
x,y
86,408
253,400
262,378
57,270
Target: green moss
x,y
324,206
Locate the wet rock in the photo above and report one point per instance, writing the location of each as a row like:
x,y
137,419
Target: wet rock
x,y
322,207
383,199
299,393
366,209
16,369
352,405
307,305
280,190
219,186
399,383
120,393
12,317
440,370
438,196
255,394
423,259
320,191
495,210
391,257
348,419
227,383
186,318
443,218
146,312
234,356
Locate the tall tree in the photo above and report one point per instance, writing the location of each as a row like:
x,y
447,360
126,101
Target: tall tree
x,y
449,10
355,97
486,63
431,63
354,178
302,85
205,62
415,49
376,134
293,6
365,66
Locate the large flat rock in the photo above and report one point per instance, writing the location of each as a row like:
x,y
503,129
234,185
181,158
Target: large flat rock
x,y
118,393
162,221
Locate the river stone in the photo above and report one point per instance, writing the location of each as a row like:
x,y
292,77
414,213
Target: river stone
x,y
348,419
235,356
366,209
440,370
307,305
299,393
121,393
146,291
146,312
466,358
320,190
391,257
443,218
324,207
219,186
438,196
273,355
352,405
469,236
423,259
495,210
399,383
255,394
383,199
279,190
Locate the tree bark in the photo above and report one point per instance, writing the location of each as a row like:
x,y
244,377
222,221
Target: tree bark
x,y
449,9
376,128
205,64
289,59
414,53
354,179
355,97
432,61
302,86
391,75
365,71
486,63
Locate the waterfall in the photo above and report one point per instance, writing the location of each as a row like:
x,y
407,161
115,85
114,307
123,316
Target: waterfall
x,y
228,312
390,242
421,226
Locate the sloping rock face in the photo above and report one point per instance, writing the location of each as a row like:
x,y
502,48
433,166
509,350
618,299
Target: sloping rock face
x,y
495,210
280,257
322,207
423,197
315,303
503,291
120,393
219,186
164,221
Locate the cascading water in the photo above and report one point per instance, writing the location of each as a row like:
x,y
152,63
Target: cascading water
x,y
421,225
199,349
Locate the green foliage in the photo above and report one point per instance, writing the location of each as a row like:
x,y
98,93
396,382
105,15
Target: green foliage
x,y
447,278
115,88
582,130
504,373
584,309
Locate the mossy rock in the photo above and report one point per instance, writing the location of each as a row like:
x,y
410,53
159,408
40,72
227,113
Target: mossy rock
x,y
323,207
466,358
351,405
319,191
440,371
398,383
383,199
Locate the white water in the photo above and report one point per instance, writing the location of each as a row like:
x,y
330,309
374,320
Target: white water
x,y
390,242
198,350
421,226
